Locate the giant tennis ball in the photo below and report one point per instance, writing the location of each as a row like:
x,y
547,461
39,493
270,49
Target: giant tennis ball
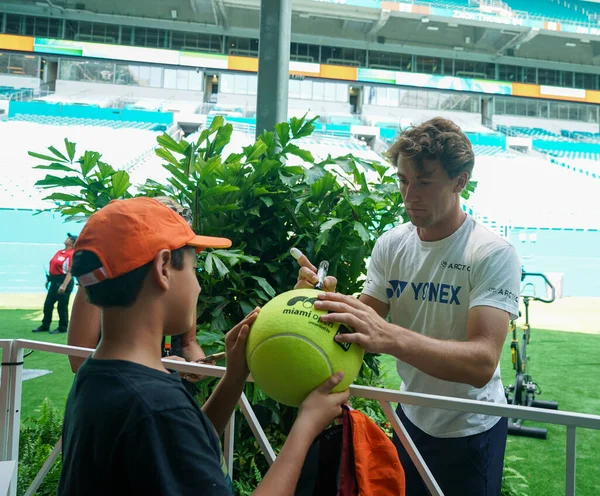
x,y
290,351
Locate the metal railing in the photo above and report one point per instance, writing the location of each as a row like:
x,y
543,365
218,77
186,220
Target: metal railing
x,y
10,413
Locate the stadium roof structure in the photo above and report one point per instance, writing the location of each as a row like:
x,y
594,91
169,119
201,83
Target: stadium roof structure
x,y
478,30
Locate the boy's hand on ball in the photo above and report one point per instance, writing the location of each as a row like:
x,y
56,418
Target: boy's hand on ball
x,y
322,406
371,331
235,346
307,275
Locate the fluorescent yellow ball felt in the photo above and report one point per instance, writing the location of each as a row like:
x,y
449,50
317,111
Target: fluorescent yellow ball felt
x,y
290,351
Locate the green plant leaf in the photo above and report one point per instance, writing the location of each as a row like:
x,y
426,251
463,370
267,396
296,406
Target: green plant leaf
x,y
208,263
246,307
88,162
362,232
357,199
265,285
58,154
301,127
218,190
283,133
216,123
105,170
237,255
267,201
222,208
42,157
327,225
322,239
120,183
165,154
296,124
256,150
70,149
346,163
56,166
299,152
222,138
221,267
76,210
179,174
169,143
205,337
315,173
60,182
63,197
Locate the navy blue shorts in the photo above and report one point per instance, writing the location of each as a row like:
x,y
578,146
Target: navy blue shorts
x,y
462,466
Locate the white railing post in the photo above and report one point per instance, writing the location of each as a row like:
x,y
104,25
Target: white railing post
x,y
14,410
570,461
257,430
39,478
5,391
228,444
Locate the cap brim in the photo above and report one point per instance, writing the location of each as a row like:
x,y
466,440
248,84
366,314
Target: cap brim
x,y
209,242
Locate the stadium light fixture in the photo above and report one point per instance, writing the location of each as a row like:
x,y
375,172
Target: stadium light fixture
x,y
173,14
570,44
433,28
425,20
452,25
584,40
459,49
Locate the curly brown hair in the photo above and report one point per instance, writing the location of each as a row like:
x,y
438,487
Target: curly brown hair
x,y
436,139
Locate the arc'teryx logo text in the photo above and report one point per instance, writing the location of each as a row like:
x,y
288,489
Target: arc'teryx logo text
x,y
455,266
426,291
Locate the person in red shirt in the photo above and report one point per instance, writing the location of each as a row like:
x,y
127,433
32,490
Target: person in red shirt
x,y
60,286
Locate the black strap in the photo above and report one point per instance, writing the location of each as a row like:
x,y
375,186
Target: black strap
x,y
11,364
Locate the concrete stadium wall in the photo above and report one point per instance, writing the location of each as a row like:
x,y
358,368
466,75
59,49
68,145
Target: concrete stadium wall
x,y
19,81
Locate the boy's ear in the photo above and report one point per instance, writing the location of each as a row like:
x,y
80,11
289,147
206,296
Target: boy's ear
x,y
161,268
461,182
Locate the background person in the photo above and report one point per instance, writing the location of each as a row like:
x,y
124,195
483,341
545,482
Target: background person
x,y
59,285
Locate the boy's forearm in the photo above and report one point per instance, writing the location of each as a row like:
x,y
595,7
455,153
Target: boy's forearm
x,y
282,477
221,403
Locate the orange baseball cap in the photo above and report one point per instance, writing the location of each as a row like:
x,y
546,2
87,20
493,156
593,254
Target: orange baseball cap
x,y
127,234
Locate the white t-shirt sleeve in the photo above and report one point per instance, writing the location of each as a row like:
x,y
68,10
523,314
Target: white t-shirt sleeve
x,y
496,281
376,284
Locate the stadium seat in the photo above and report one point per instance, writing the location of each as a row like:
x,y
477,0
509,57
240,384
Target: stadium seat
x,y
551,9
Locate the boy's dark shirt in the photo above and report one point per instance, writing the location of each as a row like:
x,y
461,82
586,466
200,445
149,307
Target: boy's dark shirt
x,y
130,429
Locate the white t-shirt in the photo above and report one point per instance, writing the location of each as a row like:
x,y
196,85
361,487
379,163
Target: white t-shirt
x,y
430,287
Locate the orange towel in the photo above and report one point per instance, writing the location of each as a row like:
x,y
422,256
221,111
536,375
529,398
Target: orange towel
x,y
378,468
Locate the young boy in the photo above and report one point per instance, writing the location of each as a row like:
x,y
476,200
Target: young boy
x,y
130,427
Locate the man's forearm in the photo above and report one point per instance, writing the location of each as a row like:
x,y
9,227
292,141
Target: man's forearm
x,y
221,403
467,362
192,351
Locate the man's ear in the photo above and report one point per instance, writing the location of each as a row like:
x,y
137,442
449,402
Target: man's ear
x,y
161,269
461,182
